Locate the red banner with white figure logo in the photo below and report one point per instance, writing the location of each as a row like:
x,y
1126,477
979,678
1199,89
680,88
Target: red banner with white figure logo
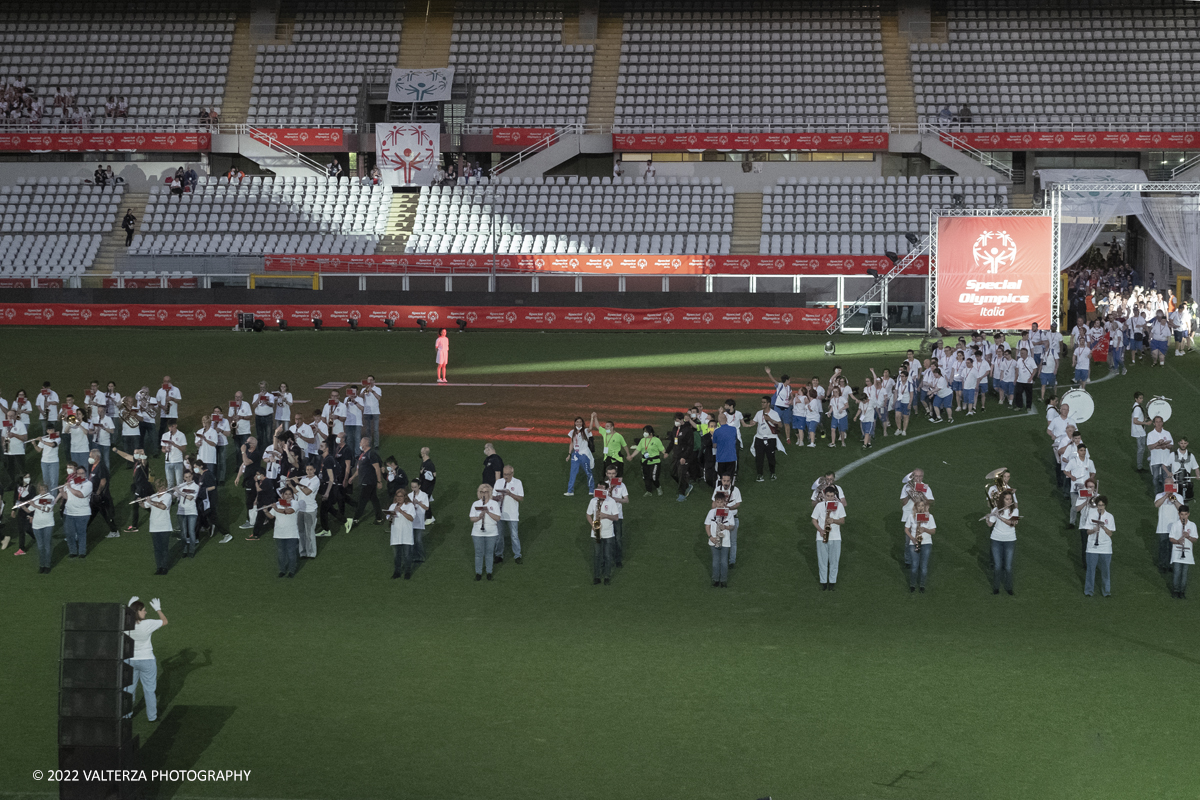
x,y
520,137
994,272
371,316
1075,140
301,138
600,264
674,142
138,141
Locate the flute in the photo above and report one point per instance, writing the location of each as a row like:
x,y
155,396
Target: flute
x,y
33,500
996,512
173,490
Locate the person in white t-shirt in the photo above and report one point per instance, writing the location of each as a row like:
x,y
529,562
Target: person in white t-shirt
x,y
371,396
283,406
308,502
1184,464
47,405
1160,443
1183,552
828,516
1081,358
161,528
602,511
401,514
1167,502
333,414
1160,332
188,512
717,526
509,492
239,416
1138,425
174,444
354,418
1003,521
49,445
1099,549
918,534
14,434
287,532
1026,369
145,667
77,492
168,398
420,501
733,503
1048,370
263,406
839,416
484,516
767,424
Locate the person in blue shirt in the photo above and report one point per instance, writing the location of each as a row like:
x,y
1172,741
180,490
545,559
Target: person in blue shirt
x,y
725,445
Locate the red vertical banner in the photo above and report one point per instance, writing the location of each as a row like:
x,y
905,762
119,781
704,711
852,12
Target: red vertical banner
x,y
994,272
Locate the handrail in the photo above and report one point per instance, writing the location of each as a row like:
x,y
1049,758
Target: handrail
x,y
848,311
983,158
542,144
270,140
1185,166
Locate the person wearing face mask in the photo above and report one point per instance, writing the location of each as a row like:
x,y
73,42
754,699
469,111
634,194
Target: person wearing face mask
x,y
579,456
77,493
48,445
188,513
394,477
22,517
102,503
733,501
614,448
159,506
141,481
681,450
651,449
41,521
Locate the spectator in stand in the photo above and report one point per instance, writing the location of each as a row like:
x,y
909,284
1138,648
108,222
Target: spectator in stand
x,y
100,177
204,115
181,177
60,98
376,176
334,170
123,107
113,180
110,107
214,116
190,179
35,111
128,224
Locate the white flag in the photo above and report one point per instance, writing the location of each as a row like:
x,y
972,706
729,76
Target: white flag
x,y
408,153
420,85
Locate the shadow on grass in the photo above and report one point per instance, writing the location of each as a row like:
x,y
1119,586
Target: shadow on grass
x,y
179,740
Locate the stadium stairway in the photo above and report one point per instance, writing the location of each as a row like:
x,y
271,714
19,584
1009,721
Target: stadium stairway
x,y
606,64
747,223
113,243
897,70
401,216
425,36
1018,200
241,72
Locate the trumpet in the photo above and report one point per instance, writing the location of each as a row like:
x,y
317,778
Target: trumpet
x,y
71,418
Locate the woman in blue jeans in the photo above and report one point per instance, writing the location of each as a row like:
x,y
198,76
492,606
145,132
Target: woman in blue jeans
x,y
918,532
145,668
42,509
188,514
1003,521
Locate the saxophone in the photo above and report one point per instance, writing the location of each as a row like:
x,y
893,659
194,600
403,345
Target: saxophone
x,y
596,520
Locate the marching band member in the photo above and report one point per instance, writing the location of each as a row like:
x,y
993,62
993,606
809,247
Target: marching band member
x,y
733,502
766,423
484,515
420,501
238,417
1183,463
1159,442
828,517
49,445
42,506
1079,470
919,532
333,414
283,405
307,504
141,487
174,444
717,526
79,432
147,408
47,405
102,502
372,396
1099,548
168,398
1003,521
618,492
1168,502
1085,509
263,406
1183,552
159,506
353,424
188,512
104,433
901,403
402,513
77,492
287,534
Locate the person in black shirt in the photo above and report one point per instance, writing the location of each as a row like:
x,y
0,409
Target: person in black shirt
x,y
333,474
493,465
264,495
102,502
395,476
252,454
681,448
368,475
127,224
343,456
428,478
206,503
141,481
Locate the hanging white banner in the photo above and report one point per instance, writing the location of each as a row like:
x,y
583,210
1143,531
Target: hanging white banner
x,y
420,85
408,153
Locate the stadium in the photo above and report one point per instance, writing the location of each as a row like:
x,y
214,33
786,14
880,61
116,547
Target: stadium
x,y
421,362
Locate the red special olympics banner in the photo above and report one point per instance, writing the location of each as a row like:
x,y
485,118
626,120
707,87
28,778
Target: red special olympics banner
x,y
141,141
492,317
301,137
520,137
749,141
994,272
611,264
1078,140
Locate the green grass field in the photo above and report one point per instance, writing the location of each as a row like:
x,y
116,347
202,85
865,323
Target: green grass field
x,y
345,684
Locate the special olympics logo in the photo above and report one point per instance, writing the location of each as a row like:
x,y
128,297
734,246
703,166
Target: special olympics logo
x,y
994,249
355,314
511,317
472,316
589,318
707,317
747,318
1123,138
662,140
437,262
471,262
668,317
47,313
200,315
1091,139
779,263
161,314
550,318
9,313
433,316
691,140
710,263
393,315
1059,139
1156,139
641,263
316,314
123,314
607,263
86,313
676,263
722,140
277,314
628,319
573,263
816,140
787,319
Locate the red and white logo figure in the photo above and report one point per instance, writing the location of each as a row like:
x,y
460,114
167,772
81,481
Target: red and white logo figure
x,y
472,316
787,319
47,313
433,316
708,318
200,314
668,317
994,249
747,318
628,318
408,150
589,318
86,313
162,315
550,318
123,314
510,317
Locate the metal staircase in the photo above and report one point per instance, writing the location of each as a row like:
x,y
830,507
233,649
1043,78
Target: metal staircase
x,y
872,295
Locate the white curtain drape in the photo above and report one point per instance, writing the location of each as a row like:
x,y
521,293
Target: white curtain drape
x,y
1084,214
1174,222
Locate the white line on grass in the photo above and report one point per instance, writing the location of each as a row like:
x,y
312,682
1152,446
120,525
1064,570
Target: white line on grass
x,y
853,465
338,385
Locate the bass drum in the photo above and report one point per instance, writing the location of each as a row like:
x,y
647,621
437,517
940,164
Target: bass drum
x,y
1158,407
1081,404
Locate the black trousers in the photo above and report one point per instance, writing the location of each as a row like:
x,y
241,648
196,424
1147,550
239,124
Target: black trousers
x,y
650,475
368,494
764,449
335,504
103,507
151,445
1024,396
612,462
681,471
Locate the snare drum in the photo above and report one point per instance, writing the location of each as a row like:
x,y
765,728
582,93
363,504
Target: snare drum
x,y
1081,404
1159,407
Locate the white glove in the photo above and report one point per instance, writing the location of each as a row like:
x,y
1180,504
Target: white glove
x,y
156,604
132,600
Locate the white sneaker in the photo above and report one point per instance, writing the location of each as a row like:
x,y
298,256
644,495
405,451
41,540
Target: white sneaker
x,y
113,535
245,526
226,539
812,444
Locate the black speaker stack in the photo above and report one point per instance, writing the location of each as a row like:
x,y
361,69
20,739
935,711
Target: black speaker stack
x,y
94,737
